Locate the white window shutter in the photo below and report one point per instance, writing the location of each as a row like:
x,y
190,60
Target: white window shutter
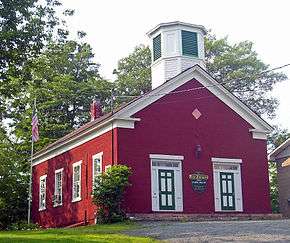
x,y
217,199
239,195
155,192
178,191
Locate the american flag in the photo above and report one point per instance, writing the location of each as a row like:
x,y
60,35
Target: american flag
x,y
34,123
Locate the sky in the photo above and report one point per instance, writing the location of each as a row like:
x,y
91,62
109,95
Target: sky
x,y
115,27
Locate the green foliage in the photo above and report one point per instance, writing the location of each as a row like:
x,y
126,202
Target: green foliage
x,y
65,79
23,225
25,27
13,183
108,193
239,68
134,73
273,187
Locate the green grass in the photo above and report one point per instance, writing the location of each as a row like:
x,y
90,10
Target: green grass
x,y
93,233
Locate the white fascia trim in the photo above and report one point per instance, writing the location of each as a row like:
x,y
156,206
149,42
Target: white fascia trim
x,y
84,137
196,72
226,160
166,156
258,134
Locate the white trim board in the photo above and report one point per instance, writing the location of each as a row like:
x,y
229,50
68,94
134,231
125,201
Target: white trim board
x,y
166,157
226,160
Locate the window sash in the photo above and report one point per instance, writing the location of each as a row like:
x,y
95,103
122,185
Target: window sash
x,y
97,161
76,185
58,188
42,192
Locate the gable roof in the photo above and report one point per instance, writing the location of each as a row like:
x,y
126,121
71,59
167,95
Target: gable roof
x,y
275,153
126,112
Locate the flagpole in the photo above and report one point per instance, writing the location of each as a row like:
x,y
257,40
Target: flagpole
x,y
30,174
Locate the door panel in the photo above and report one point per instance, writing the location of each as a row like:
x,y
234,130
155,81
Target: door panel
x,y
166,189
227,191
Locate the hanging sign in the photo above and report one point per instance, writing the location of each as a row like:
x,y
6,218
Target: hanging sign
x,y
198,181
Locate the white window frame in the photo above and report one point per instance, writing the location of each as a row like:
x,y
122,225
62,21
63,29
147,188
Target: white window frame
x,y
237,181
40,206
76,199
100,157
55,203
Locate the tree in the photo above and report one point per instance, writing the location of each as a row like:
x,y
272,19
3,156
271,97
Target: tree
x,y
25,27
13,183
236,66
134,73
38,61
64,82
239,68
108,193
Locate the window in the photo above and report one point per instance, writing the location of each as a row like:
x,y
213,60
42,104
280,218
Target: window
x,y
189,43
157,47
42,192
76,185
97,165
57,199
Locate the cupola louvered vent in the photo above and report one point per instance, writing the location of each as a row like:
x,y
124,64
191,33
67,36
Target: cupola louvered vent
x,y
157,47
189,43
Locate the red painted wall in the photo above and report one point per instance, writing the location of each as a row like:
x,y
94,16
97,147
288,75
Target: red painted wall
x,y
70,212
168,127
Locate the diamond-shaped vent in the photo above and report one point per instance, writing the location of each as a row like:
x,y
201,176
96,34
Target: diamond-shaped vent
x,y
196,113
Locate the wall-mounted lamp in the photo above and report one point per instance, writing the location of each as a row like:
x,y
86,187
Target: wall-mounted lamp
x,y
198,151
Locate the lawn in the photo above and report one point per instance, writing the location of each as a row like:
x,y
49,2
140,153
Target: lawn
x,y
93,233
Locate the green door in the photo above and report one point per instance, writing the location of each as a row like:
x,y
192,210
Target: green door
x,y
227,191
166,190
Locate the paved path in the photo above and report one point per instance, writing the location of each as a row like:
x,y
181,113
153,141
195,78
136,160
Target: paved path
x,y
222,231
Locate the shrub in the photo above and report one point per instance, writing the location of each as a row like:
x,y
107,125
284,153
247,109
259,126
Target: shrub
x,y
108,193
23,225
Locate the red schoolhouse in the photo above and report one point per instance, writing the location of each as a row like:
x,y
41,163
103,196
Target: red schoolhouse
x,y
194,148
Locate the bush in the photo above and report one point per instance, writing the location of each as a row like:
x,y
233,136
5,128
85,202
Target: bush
x,y
23,225
108,194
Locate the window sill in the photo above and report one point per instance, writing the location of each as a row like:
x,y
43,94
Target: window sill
x,y
76,200
57,205
41,209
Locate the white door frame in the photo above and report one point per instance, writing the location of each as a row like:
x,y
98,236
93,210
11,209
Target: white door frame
x,y
223,165
166,162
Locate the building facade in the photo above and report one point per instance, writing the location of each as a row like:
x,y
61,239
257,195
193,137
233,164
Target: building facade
x,y
193,147
281,155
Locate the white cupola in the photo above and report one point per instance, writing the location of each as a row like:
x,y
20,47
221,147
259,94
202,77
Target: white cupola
x,y
175,46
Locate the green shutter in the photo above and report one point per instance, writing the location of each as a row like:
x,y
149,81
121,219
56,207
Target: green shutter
x,y
157,47
189,43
